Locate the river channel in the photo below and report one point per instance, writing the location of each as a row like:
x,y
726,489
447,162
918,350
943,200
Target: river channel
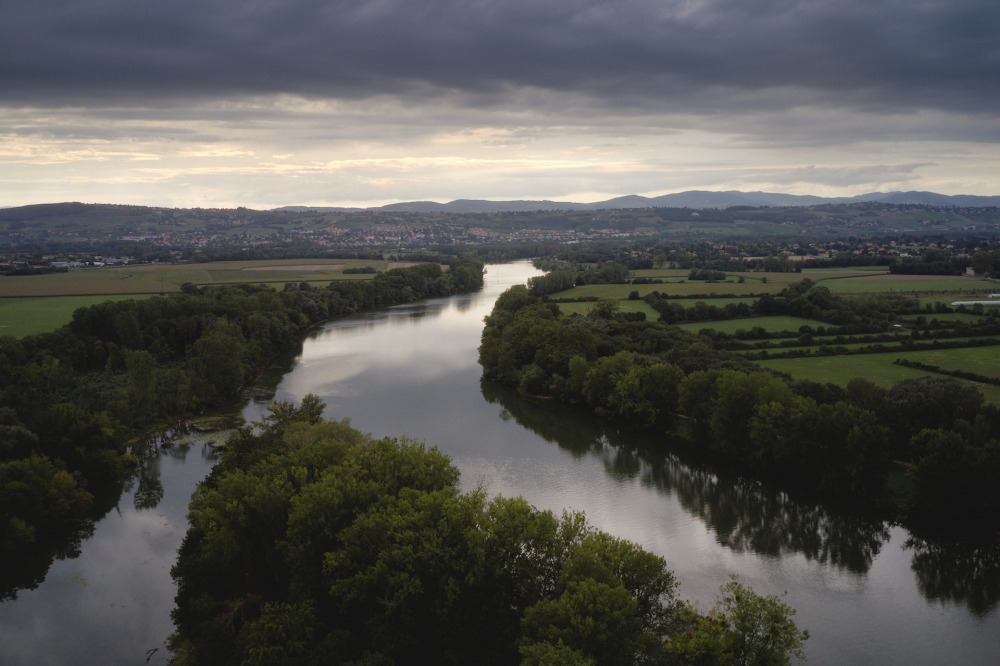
x,y
867,592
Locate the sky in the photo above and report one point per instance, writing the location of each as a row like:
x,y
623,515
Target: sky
x,y
264,103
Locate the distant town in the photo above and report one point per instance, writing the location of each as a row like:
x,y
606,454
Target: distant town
x,y
73,235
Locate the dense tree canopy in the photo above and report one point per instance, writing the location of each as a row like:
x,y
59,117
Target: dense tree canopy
x,y
311,542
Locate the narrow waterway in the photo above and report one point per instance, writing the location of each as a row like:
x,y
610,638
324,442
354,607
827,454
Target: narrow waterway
x,y
868,593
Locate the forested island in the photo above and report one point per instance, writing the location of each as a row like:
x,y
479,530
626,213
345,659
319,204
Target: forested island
x,y
313,543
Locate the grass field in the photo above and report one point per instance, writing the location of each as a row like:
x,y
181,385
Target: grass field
x,y
770,324
845,282
165,278
626,306
878,367
39,303
840,281
26,316
980,360
950,316
775,349
907,284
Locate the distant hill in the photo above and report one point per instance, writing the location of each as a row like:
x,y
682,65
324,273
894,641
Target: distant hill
x,y
689,199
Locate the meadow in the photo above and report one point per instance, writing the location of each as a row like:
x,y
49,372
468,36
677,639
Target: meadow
x,y
848,283
27,316
776,324
880,368
40,303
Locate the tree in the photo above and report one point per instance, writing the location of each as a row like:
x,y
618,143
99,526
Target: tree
x,y
982,263
743,629
605,308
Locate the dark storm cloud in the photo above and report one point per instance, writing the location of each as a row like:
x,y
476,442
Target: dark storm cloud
x,y
671,55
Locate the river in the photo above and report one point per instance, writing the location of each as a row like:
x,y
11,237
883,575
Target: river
x,y
867,592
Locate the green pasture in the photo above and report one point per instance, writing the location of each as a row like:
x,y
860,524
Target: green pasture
x,y
672,288
673,274
980,360
27,316
585,307
165,278
852,281
774,324
853,271
38,303
774,348
717,301
907,284
949,316
879,368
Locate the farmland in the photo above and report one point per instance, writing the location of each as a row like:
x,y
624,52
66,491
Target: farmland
x,y
880,367
28,316
936,337
39,303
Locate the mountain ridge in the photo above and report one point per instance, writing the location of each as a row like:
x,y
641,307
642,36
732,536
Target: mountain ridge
x,y
687,199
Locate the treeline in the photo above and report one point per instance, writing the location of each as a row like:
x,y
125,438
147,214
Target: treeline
x,y
70,399
932,261
312,543
816,436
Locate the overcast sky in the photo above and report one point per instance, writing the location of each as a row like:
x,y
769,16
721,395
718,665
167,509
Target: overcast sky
x,y
362,102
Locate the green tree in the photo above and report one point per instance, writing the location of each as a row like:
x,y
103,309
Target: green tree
x,y
743,629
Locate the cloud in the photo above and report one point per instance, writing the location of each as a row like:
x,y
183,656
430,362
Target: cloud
x,y
267,103
709,56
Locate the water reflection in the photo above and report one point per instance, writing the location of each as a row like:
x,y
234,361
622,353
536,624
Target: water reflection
x,y
108,600
28,572
744,514
747,515
968,575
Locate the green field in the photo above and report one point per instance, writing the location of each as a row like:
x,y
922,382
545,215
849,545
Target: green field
x,y
949,316
906,284
880,368
164,278
840,281
771,324
674,288
626,306
27,316
846,282
39,303
775,349
980,360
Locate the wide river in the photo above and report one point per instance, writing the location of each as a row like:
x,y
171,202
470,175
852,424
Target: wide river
x,y
866,591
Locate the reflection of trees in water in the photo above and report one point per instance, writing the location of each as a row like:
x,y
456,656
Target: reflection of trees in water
x,y
169,442
748,515
145,478
150,489
968,575
745,514
28,572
